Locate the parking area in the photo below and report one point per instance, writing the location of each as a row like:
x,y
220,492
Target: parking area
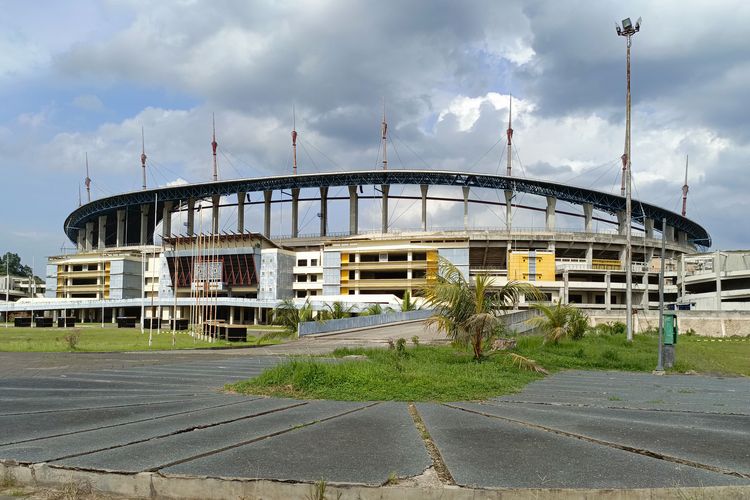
x,y
166,413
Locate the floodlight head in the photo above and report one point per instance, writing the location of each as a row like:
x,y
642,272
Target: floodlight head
x,y
638,24
626,24
617,29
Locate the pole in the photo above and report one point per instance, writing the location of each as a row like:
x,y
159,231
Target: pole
x,y
660,363
7,286
628,216
151,323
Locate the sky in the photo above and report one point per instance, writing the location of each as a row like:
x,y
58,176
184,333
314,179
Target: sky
x,y
83,77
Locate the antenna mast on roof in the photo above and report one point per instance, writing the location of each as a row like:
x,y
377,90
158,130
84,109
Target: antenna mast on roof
x,y
143,156
509,133
385,139
294,139
88,179
214,144
685,189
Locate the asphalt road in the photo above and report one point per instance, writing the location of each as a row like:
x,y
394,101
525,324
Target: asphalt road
x,y
134,412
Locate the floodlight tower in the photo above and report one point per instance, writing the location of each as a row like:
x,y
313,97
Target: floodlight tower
x,y
628,30
294,141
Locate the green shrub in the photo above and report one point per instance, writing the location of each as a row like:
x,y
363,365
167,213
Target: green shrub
x,y
401,346
415,340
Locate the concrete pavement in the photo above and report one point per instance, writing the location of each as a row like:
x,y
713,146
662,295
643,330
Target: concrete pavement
x,y
163,414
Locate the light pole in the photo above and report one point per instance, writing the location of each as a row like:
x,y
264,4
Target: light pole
x,y
660,362
628,30
7,287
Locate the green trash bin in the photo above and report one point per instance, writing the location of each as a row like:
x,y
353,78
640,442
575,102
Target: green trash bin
x,y
670,337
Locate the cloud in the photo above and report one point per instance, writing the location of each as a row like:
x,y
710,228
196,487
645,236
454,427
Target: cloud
x,y
88,102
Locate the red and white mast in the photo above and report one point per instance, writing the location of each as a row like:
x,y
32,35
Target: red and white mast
x,y
385,139
214,145
88,179
294,141
509,133
685,189
143,156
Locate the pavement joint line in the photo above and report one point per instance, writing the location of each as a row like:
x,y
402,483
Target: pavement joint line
x,y
178,432
441,468
151,403
130,422
631,449
261,438
609,407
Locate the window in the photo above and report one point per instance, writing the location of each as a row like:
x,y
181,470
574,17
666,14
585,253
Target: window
x,y
313,262
313,278
419,256
352,275
302,262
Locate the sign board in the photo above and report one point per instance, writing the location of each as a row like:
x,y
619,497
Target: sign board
x,y
207,275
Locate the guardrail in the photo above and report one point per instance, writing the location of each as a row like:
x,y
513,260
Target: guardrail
x,y
335,325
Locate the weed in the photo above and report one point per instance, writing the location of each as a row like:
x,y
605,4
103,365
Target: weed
x,y
318,491
615,398
610,355
391,344
401,346
392,479
689,332
415,340
72,338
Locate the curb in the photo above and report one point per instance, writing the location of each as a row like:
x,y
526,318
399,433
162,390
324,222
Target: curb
x,y
155,485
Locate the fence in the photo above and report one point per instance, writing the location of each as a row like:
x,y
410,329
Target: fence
x,y
335,325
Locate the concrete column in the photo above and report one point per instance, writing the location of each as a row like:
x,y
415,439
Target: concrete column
x,y
166,219
621,223
465,189
588,217
608,294
670,233
242,315
121,228
102,232
215,201
267,213
549,216
323,210
644,298
241,212
682,237
384,213
90,236
353,210
295,212
682,275
508,209
145,209
590,256
648,228
81,240
191,216
717,270
566,286
423,188
231,315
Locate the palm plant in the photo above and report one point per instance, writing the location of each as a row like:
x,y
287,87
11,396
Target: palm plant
x,y
335,310
288,315
372,310
469,313
558,321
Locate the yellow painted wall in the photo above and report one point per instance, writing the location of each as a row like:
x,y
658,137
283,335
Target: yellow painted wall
x,y
518,266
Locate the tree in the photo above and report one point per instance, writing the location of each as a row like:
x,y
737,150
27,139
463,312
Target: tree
x,y
559,320
13,261
408,304
372,310
470,313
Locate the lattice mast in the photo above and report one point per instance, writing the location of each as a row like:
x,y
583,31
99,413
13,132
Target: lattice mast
x,y
685,189
214,145
88,179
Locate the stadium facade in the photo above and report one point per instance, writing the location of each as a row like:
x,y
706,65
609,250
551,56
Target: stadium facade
x,y
117,270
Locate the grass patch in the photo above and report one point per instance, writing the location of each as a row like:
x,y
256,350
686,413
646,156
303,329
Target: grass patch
x,y
442,373
97,339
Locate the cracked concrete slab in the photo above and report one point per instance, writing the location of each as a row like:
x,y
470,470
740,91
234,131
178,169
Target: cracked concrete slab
x,y
362,447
